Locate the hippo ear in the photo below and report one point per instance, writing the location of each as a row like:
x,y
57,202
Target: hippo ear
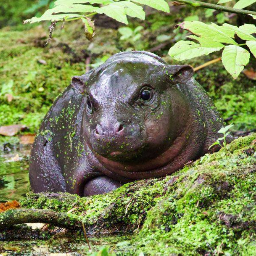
x,y
180,73
78,82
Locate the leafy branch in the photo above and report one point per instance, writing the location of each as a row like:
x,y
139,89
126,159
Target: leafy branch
x,y
236,9
209,37
66,10
213,38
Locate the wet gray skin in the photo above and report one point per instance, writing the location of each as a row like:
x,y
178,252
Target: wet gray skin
x,y
134,117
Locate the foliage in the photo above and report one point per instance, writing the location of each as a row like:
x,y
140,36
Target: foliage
x,y
131,37
240,3
223,140
12,14
38,6
64,10
212,38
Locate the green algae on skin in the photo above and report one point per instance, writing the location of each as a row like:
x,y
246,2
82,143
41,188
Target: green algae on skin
x,y
207,207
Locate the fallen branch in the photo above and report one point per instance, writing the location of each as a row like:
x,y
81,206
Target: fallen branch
x,y
207,64
20,216
214,6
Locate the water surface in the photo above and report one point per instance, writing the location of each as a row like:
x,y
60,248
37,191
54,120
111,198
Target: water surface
x,y
14,181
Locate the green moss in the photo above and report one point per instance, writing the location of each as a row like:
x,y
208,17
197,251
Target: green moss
x,y
211,208
35,74
207,207
33,85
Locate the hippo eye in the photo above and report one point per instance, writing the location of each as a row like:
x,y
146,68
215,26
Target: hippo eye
x,y
89,105
146,94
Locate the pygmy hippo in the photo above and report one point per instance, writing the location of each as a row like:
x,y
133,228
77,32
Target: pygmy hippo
x,y
134,117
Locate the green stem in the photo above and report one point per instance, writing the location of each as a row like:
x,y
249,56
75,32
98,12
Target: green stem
x,y
215,6
91,14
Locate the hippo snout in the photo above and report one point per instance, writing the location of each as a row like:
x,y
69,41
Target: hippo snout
x,y
111,129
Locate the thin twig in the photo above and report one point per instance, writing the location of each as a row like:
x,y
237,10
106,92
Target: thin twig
x,y
215,6
85,235
207,64
51,29
87,64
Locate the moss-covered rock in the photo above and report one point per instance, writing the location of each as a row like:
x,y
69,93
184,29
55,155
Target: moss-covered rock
x,y
207,207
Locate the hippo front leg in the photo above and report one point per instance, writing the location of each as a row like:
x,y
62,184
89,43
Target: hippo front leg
x,y
100,185
45,173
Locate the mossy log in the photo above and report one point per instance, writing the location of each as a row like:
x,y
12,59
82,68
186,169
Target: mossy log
x,y
19,216
207,207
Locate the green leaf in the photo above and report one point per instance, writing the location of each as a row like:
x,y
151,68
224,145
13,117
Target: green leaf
x,y
192,18
52,17
89,28
248,28
209,13
119,10
184,50
243,3
160,5
36,7
206,42
234,58
241,31
136,37
217,142
224,1
252,47
87,25
133,10
114,11
224,30
73,8
225,129
138,29
221,18
163,38
61,12
214,32
125,32
71,2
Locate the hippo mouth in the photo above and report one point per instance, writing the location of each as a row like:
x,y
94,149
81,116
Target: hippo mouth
x,y
130,156
116,153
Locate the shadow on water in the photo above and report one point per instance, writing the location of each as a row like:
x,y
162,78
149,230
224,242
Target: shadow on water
x,y
14,181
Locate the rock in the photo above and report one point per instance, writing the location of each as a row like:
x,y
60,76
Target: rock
x,y
11,130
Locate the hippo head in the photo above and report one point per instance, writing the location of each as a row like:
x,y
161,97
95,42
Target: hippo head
x,y
133,107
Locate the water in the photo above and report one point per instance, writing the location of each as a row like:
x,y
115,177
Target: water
x,y
14,181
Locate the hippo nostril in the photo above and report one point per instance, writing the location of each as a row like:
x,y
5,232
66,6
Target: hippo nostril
x,y
98,130
119,127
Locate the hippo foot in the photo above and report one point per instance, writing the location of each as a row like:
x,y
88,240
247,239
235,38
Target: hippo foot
x,y
100,185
